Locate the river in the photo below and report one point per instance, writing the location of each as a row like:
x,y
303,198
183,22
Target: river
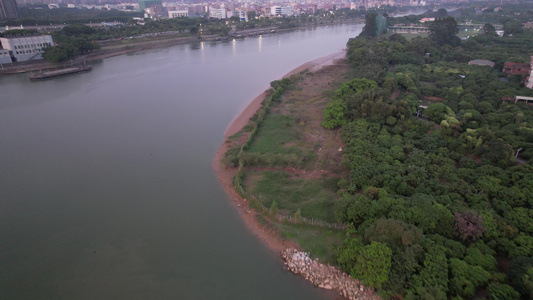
x,y
106,182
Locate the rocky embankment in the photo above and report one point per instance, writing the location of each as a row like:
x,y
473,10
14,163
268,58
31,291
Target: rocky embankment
x,y
324,276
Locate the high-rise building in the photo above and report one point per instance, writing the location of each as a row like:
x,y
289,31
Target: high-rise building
x,y
9,9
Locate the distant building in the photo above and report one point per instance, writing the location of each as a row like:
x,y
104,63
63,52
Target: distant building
x,y
9,9
217,13
155,11
482,62
26,48
178,13
281,11
512,68
144,4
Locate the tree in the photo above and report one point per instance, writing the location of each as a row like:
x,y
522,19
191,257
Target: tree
x,y
465,278
443,31
438,112
469,225
489,29
55,54
502,291
373,264
371,26
335,112
441,13
251,14
512,27
434,274
521,275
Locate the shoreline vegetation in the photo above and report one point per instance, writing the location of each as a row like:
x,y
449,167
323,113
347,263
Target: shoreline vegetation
x,y
226,175
254,214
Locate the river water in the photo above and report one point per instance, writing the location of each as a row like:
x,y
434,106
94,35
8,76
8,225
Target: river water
x,y
106,182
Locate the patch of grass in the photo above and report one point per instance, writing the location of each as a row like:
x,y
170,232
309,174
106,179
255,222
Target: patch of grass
x,y
318,241
236,136
310,196
275,132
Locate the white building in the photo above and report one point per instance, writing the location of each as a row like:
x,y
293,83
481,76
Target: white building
x,y
5,57
178,13
218,13
26,48
281,10
286,11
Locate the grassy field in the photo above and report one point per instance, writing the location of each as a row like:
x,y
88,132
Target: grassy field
x,y
312,196
295,163
320,242
276,135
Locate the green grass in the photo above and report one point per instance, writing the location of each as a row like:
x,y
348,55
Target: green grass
x,y
315,198
236,136
274,134
318,241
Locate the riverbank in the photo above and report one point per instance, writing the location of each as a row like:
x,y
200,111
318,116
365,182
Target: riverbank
x,y
225,175
320,275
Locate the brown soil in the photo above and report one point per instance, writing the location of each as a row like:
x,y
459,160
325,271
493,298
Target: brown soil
x,y
308,100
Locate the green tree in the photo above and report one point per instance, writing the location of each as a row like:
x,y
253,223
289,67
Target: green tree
x,y
438,112
371,26
441,13
502,291
521,275
489,29
512,27
373,264
443,31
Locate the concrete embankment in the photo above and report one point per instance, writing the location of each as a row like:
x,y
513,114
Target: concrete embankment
x,y
326,277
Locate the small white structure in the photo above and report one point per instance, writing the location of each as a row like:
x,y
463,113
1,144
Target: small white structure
x,y
26,48
5,57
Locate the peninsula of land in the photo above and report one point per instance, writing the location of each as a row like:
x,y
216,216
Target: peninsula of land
x,y
323,70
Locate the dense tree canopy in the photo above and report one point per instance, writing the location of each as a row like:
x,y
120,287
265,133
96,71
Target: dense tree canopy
x,y
443,193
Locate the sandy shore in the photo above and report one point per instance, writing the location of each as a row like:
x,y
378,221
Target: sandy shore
x,y
225,175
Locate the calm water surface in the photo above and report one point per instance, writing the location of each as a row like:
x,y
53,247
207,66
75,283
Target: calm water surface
x,y
106,185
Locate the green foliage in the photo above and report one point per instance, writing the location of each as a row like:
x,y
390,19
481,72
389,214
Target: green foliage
x,y
466,278
334,113
445,195
438,112
273,210
373,264
433,278
521,275
19,33
71,41
293,194
370,29
502,291
443,31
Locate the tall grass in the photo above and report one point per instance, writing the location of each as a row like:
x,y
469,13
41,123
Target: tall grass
x,y
291,194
